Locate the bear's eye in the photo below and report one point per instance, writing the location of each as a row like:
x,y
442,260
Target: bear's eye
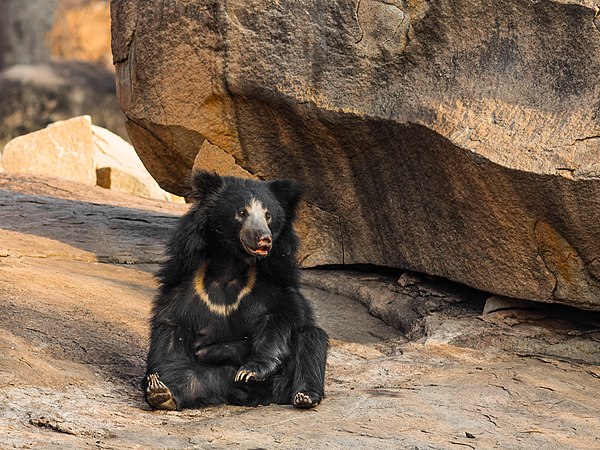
x,y
268,216
242,213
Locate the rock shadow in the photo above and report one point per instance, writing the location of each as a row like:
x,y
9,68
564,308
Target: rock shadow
x,y
115,234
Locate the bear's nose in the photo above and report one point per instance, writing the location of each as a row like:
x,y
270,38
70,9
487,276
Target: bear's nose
x,y
265,240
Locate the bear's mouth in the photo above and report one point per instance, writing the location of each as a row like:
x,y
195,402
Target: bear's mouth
x,y
261,250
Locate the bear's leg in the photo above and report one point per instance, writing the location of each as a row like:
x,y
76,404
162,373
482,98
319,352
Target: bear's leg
x,y
185,384
309,376
270,346
303,380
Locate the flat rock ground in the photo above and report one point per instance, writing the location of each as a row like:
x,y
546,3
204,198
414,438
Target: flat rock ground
x,y
76,286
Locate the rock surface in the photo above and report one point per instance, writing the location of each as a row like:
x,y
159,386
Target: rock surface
x,y
119,168
74,330
64,149
76,150
453,139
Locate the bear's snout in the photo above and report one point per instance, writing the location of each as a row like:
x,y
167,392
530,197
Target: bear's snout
x,y
256,238
257,244
255,234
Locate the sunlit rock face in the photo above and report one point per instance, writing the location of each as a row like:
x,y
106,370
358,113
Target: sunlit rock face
x,y
458,139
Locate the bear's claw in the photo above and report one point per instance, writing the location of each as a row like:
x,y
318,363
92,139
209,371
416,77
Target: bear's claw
x,y
158,394
245,375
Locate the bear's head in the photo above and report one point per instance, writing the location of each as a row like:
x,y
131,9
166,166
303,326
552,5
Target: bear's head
x,y
246,217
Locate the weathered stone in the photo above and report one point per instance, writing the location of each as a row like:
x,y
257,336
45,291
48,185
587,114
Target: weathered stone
x,y
64,150
76,150
409,279
453,139
119,168
214,159
54,218
119,181
403,307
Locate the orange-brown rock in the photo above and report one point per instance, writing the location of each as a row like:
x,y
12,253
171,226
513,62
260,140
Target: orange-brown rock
x,y
63,150
214,159
119,168
452,138
76,150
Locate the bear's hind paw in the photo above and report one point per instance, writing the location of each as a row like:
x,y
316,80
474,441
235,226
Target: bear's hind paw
x,y
158,394
306,399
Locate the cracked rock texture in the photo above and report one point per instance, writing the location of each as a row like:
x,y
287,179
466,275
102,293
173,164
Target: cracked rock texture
x,y
458,139
76,288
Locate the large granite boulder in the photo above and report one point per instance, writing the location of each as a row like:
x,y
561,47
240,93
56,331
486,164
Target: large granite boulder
x,y
460,139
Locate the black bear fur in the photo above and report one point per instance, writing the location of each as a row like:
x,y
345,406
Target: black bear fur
x,y
269,349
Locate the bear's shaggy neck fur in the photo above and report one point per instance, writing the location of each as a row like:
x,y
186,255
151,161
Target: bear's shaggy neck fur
x,y
223,293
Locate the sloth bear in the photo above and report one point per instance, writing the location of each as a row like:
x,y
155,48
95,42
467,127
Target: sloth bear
x,y
229,324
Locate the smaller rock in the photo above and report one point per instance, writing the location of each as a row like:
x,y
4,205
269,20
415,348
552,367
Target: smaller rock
x,y
119,168
63,149
121,181
409,279
498,303
214,159
404,308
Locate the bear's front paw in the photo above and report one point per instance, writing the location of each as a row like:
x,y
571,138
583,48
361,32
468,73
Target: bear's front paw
x,y
247,373
253,372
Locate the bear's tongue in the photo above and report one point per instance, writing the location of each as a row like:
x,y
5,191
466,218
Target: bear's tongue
x,y
262,250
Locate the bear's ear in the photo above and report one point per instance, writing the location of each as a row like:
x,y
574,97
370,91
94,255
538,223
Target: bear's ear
x,y
204,184
288,193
